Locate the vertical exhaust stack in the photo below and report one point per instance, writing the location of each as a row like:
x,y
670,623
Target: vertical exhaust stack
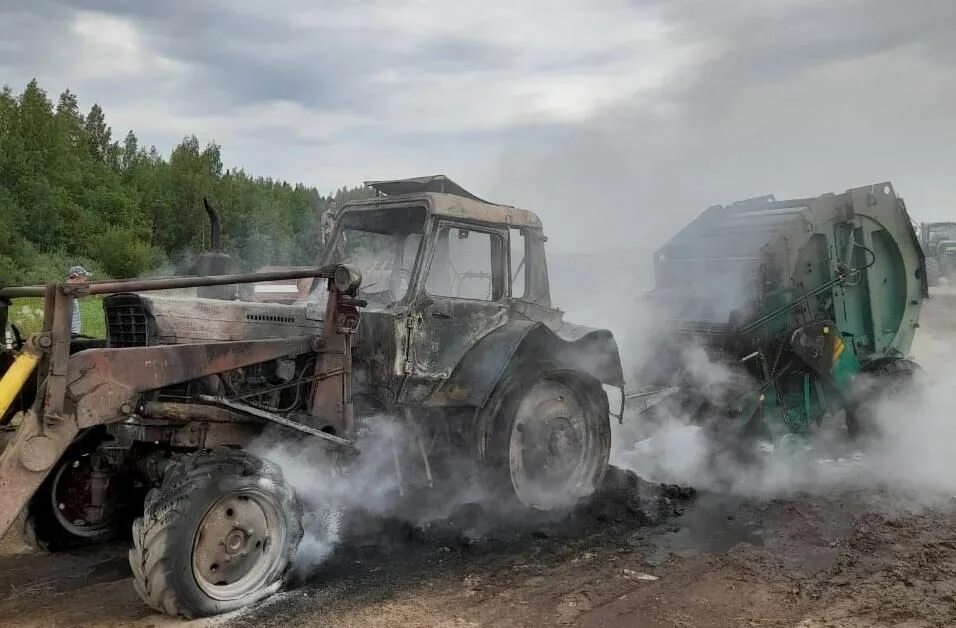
x,y
214,261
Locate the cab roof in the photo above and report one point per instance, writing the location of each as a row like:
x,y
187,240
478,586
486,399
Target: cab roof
x,y
444,197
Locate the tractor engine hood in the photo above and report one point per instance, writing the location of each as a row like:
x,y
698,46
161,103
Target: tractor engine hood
x,y
142,319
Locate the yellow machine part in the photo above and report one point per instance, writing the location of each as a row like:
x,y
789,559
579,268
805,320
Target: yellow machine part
x,y
16,376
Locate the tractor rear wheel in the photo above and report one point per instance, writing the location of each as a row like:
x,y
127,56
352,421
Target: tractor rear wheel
x,y
553,438
218,535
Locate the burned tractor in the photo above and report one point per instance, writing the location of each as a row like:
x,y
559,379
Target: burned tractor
x,y
807,307
429,306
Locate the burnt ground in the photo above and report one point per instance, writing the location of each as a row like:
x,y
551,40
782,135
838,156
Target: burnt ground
x,y
637,556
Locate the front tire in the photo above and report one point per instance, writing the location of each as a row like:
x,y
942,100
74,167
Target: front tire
x,y
553,439
218,535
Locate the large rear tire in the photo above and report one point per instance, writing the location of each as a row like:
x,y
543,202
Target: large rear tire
x,y
218,535
552,439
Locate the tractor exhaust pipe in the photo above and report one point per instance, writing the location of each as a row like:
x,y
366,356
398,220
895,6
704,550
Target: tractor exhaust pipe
x,y
215,226
213,261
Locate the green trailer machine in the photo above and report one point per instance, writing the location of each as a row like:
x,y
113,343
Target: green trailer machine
x,y
811,304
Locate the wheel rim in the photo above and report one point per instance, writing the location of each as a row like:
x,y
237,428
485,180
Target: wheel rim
x,y
239,545
70,496
555,455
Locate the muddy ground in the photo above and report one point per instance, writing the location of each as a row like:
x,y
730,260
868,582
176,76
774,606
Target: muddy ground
x,y
639,555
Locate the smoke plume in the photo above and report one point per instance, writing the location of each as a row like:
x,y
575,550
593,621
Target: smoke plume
x,y
342,498
909,447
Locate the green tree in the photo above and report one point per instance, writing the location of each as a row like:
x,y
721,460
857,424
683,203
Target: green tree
x,y
70,194
100,136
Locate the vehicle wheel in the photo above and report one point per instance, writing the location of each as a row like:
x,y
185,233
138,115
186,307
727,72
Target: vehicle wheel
x,y
933,271
59,515
553,439
884,379
218,535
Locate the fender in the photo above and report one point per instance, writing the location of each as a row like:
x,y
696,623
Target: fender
x,y
593,351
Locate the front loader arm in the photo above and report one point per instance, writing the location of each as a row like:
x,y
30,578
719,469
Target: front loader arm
x,y
102,386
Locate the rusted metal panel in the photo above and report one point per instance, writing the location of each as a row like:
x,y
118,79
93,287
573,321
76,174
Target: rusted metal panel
x,y
181,320
202,431
457,207
446,198
102,381
167,283
180,411
331,398
103,385
23,464
58,308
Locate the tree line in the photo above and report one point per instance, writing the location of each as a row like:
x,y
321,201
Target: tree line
x,y
72,195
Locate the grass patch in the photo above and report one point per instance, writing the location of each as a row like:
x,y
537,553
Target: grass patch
x,y
27,315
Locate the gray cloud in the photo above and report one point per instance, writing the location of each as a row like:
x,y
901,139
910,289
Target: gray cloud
x,y
788,98
634,114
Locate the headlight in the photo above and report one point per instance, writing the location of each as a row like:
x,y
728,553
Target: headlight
x,y
346,280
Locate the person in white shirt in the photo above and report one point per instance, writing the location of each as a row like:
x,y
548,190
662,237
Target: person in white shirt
x,y
78,274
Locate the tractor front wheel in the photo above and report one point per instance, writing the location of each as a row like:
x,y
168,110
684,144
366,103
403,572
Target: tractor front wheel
x,y
218,535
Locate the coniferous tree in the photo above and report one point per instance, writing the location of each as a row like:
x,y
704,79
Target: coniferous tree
x,y
70,194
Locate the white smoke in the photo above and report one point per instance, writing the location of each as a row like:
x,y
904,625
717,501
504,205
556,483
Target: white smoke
x,y
910,449
915,446
339,494
328,488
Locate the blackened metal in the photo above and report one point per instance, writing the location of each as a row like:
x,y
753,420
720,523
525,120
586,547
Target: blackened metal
x,y
56,377
127,322
215,226
99,490
278,420
105,378
299,381
815,345
590,351
179,411
153,467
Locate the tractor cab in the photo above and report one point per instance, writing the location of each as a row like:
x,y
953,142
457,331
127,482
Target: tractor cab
x,y
428,237
441,269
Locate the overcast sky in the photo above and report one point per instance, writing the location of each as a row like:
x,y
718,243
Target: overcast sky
x,y
615,120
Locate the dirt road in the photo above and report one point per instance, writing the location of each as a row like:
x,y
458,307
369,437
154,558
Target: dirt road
x,y
637,556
